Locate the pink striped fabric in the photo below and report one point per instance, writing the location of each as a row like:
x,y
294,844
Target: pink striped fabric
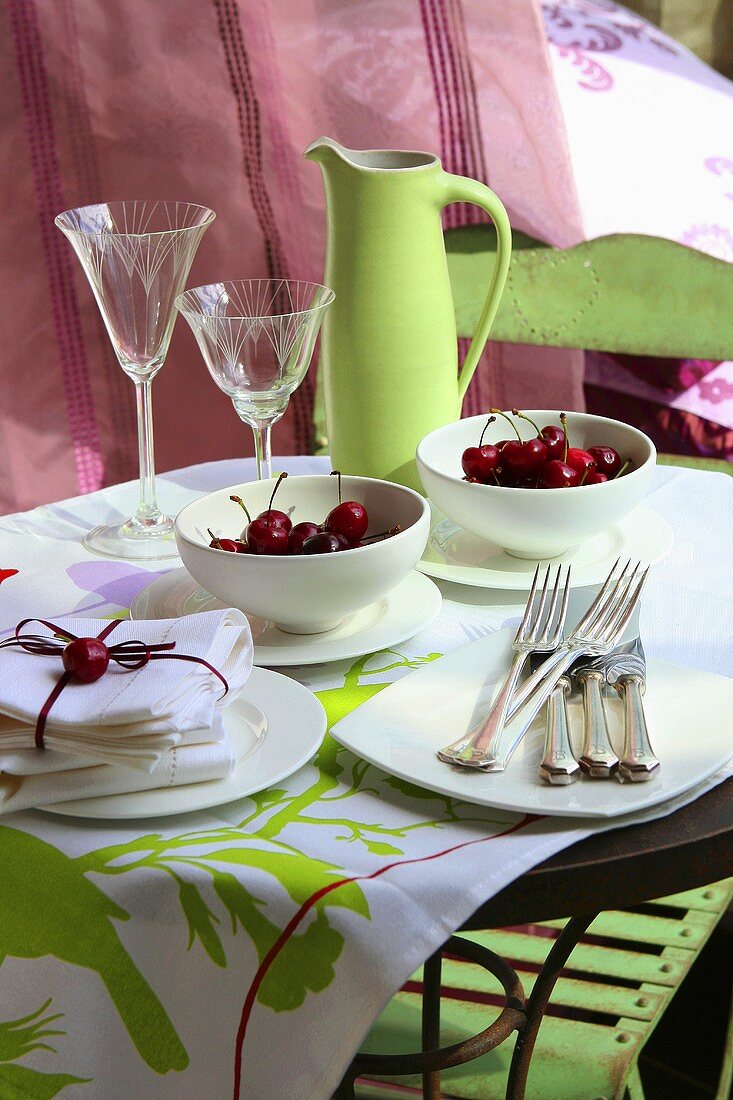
x,y
213,101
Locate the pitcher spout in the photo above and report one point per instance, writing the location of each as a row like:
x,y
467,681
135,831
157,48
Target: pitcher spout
x,y
324,150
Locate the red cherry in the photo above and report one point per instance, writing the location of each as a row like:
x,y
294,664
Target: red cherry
x,y
86,659
580,460
554,438
299,534
349,519
325,542
607,460
558,475
480,463
274,518
232,546
594,477
522,460
263,538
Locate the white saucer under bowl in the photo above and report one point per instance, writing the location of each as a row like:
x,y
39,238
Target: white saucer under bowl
x,y
453,554
275,727
402,613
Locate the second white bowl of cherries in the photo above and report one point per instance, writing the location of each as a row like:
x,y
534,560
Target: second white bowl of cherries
x,y
303,551
497,476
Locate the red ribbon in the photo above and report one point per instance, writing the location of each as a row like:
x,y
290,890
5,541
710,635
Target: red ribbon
x,y
130,655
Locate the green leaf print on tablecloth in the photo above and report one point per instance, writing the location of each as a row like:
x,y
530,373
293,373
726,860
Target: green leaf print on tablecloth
x,y
45,897
49,907
22,1083
21,1037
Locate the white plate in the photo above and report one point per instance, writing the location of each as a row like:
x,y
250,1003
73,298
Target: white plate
x,y
407,609
453,554
276,726
401,728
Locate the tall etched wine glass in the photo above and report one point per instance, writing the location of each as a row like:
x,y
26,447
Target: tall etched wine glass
x,y
257,338
137,256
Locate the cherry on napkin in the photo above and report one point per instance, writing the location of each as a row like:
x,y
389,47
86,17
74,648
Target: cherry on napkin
x,y
124,718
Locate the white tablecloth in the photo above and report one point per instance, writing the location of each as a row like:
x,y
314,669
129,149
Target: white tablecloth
x,y
244,951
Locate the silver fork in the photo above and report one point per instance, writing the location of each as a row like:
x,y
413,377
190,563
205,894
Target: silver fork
x,y
540,631
596,633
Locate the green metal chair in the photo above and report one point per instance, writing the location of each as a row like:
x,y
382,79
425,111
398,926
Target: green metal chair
x,y
626,294
603,1009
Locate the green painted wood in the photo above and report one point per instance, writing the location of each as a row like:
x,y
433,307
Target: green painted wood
x,y
586,996
691,932
623,293
576,1058
610,961
556,1062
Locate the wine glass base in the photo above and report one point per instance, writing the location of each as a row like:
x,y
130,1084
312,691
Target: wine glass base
x,y
133,542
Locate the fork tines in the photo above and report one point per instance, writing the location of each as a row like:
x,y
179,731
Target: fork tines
x,y
613,606
545,630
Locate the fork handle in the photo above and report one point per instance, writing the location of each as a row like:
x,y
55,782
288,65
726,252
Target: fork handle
x,y
477,748
558,765
638,762
597,758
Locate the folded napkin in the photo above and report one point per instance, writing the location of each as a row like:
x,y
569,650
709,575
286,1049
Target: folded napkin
x,y
126,718
177,766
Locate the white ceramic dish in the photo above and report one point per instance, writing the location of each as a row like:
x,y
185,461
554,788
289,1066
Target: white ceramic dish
x,y
295,727
401,728
407,609
453,554
304,594
534,523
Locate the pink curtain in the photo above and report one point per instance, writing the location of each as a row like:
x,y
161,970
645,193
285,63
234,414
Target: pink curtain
x,y
213,101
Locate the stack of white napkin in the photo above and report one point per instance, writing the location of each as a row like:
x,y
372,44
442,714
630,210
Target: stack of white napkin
x,y
158,726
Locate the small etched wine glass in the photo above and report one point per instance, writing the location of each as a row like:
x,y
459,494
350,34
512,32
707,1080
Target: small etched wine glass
x,y
137,256
257,338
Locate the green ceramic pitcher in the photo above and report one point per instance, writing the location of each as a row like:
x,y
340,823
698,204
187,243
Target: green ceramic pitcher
x,y
388,345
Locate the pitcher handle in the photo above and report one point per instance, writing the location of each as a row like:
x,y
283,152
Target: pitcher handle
x,y
462,189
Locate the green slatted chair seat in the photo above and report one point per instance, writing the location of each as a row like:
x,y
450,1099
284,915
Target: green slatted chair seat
x,y
615,988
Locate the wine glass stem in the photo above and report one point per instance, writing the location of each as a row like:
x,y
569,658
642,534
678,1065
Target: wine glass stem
x,y
263,453
148,513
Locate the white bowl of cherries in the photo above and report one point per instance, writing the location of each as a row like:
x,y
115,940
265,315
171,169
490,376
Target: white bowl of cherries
x,y
497,477
311,549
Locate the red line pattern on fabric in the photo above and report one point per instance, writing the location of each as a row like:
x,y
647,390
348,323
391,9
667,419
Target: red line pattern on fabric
x,y
250,131
459,125
46,173
307,905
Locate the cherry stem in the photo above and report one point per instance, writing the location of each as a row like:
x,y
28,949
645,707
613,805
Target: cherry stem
x,y
564,422
508,420
384,534
338,475
523,416
622,470
240,502
483,433
215,539
282,476
586,471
